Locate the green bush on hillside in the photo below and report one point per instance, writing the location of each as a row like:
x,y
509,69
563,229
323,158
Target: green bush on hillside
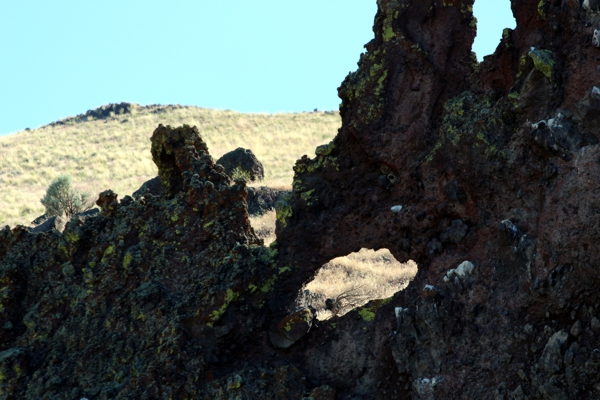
x,y
61,198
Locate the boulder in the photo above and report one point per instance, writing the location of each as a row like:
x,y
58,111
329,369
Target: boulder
x,y
55,222
153,187
39,219
243,161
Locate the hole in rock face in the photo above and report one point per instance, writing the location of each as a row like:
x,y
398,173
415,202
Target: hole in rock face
x,y
264,226
351,281
493,16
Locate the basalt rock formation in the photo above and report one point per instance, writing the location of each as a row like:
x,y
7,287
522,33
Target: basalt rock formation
x,y
494,163
486,174
108,111
244,162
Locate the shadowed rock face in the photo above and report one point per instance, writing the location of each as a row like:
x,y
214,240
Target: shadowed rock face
x,y
137,301
494,163
459,147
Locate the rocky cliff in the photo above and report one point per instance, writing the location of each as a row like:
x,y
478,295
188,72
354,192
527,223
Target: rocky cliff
x,y
486,174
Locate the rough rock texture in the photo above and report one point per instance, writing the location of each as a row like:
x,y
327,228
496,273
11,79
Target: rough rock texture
x,y
138,300
242,161
496,163
152,186
104,112
263,199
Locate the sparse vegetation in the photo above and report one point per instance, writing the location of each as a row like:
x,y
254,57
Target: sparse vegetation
x,y
357,278
264,226
349,281
61,199
115,152
239,174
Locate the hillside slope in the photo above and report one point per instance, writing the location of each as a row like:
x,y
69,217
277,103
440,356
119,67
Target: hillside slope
x,y
108,148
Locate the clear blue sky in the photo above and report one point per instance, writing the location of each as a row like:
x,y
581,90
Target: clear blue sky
x,y
63,57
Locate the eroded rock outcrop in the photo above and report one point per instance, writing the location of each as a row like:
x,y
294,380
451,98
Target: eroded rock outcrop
x,y
485,174
138,300
495,163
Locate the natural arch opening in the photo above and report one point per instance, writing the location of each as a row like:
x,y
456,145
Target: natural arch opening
x,y
353,280
493,16
345,282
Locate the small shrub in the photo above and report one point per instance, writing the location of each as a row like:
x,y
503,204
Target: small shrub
x,y
61,198
239,173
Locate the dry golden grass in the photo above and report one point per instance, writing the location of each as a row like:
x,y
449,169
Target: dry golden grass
x,y
114,153
353,280
358,278
264,226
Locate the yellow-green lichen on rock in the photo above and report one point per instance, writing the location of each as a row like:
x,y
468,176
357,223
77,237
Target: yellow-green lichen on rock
x,y
109,250
283,209
325,149
467,115
230,296
543,60
306,195
285,269
540,9
391,13
127,260
268,285
368,313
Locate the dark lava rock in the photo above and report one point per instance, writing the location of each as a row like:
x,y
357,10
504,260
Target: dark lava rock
x,y
109,293
104,112
263,199
455,233
153,187
55,222
459,137
39,219
245,161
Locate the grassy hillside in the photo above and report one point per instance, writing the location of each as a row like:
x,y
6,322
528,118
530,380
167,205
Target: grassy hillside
x,y
114,152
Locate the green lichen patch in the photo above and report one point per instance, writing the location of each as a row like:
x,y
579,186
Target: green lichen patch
x,y
514,98
316,164
325,149
543,60
306,195
284,210
127,260
230,296
472,117
285,269
541,9
109,250
366,314
391,13
268,285
71,236
88,275
297,321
